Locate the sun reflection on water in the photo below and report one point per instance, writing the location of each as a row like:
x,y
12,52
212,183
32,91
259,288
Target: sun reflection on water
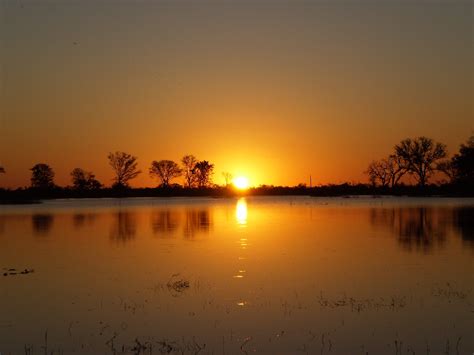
x,y
241,212
241,219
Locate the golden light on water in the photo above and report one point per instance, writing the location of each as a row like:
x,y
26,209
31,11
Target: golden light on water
x,y
241,211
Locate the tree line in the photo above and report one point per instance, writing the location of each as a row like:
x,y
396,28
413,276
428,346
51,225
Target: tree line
x,y
197,173
421,158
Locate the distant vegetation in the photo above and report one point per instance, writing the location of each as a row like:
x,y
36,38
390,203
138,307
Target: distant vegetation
x,y
84,180
42,177
421,158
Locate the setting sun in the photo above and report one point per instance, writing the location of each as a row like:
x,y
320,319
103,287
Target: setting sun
x,y
234,162
241,182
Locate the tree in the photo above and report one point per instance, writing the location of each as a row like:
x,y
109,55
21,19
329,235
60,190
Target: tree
x,y
165,170
189,162
378,173
387,172
396,169
420,156
463,163
42,176
447,167
2,170
203,171
227,178
84,180
124,166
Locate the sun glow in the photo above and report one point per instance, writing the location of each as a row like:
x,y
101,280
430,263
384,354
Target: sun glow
x,y
241,182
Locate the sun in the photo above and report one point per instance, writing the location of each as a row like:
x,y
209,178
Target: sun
x,y
241,182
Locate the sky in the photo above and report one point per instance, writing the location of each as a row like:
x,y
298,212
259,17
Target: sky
x,y
272,90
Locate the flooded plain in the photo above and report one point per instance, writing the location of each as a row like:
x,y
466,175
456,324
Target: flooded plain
x,y
274,275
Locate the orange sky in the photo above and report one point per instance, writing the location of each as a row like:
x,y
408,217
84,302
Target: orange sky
x,y
273,90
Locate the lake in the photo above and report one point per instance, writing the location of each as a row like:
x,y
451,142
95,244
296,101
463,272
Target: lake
x,y
275,275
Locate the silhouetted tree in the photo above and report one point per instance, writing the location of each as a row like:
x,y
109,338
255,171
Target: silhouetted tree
x,y
84,180
124,166
463,163
387,172
42,176
378,173
396,168
227,178
165,170
189,161
420,156
447,167
2,171
203,171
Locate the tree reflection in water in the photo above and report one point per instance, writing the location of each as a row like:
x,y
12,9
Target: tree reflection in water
x,y
417,228
196,221
192,221
463,219
165,222
42,223
79,220
124,227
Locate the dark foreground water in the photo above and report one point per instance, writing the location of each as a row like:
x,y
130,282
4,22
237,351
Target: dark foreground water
x,y
282,275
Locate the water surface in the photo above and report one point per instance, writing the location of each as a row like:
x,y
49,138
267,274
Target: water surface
x,y
276,275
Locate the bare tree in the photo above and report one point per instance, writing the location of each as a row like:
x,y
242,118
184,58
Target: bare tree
x,y
447,167
396,169
227,178
189,161
378,173
203,171
42,176
124,166
387,171
165,170
420,156
84,180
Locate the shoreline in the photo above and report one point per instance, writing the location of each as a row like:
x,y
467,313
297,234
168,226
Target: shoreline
x,y
20,202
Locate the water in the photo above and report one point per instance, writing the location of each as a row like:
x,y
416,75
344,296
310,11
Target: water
x,y
276,275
